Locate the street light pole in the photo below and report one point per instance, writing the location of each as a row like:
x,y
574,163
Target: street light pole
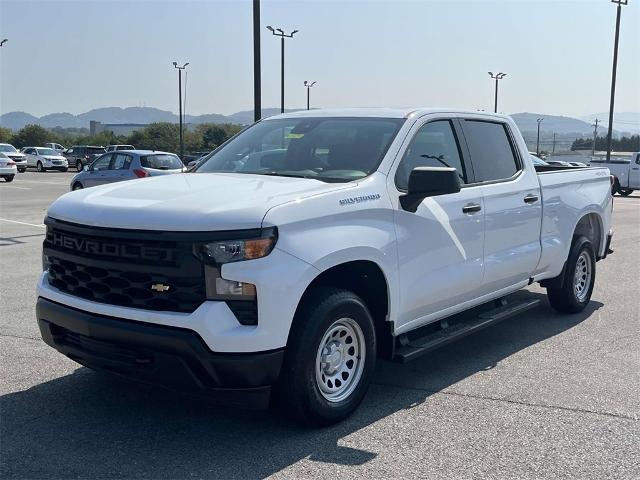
x,y
539,120
278,32
180,68
257,87
613,74
308,85
497,77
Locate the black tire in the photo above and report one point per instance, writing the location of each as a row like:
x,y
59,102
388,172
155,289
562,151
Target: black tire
x,y
22,170
298,391
9,178
625,192
77,186
79,166
615,186
568,299
64,170
40,167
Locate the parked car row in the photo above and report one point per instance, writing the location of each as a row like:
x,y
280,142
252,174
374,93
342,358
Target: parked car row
x,y
8,168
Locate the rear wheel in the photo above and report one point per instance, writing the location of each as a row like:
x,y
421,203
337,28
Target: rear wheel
x,y
9,178
579,279
615,187
625,192
79,165
40,167
330,358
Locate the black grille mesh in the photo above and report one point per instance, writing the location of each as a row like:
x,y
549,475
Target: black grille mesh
x,y
129,288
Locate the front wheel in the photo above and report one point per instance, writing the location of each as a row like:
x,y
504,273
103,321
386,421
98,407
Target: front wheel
x,y
77,186
330,357
40,167
579,279
625,192
79,166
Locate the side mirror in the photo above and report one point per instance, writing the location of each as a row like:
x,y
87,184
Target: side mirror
x,y
429,182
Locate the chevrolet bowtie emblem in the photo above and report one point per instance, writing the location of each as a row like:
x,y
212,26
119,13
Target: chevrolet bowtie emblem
x,y
160,287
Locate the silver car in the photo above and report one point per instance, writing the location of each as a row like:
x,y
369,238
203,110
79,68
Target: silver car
x,y
127,165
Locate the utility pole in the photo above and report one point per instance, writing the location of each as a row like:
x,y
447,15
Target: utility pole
x,y
539,120
180,68
497,77
613,74
280,33
257,87
595,137
553,150
308,85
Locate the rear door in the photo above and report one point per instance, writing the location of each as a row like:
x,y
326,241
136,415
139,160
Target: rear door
x,y
512,204
440,246
119,168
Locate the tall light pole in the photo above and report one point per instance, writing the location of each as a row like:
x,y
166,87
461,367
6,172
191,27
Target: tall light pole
x,y
257,87
539,120
308,85
595,137
278,32
613,74
180,68
497,77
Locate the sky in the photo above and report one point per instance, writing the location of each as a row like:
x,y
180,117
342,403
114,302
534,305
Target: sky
x,y
72,56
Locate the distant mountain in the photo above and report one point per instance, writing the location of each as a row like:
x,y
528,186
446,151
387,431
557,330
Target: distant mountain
x,y
139,115
527,122
622,121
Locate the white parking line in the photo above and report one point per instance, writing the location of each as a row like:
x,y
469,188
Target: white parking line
x,y
23,223
62,183
19,188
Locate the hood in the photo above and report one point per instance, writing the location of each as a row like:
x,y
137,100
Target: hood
x,y
185,202
54,157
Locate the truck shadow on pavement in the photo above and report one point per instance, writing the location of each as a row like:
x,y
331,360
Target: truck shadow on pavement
x,y
90,425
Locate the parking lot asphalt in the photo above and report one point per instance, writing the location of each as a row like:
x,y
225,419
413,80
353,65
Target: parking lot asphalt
x,y
542,395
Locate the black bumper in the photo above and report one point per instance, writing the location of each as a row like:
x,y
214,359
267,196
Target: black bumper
x,y
172,357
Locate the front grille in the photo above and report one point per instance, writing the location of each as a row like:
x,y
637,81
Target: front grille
x,y
128,288
137,269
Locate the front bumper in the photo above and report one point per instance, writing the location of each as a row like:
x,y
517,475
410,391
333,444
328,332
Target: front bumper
x,y
173,357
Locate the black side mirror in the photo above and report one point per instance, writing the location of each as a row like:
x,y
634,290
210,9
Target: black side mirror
x,y
429,182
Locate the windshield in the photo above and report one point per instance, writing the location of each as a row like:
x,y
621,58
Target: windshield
x,y
329,149
161,161
7,148
46,151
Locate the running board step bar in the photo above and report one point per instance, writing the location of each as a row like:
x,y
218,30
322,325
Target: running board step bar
x,y
407,350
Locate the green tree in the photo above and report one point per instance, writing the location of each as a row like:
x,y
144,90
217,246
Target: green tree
x,y
5,135
157,136
31,136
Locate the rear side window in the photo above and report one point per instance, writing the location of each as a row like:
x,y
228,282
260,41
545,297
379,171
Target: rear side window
x,y
491,151
120,162
94,150
161,162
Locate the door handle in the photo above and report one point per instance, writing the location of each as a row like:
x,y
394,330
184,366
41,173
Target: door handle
x,y
471,208
531,199
635,168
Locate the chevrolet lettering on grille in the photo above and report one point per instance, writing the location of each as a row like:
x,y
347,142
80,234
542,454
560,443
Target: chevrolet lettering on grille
x,y
121,250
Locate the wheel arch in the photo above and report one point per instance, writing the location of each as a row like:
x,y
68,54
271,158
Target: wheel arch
x,y
367,279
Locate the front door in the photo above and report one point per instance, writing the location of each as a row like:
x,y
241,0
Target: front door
x,y
440,246
98,171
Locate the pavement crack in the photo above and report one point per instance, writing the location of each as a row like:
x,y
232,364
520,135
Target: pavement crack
x,y
515,402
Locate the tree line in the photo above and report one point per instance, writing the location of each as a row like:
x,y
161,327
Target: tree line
x,y
624,144
156,136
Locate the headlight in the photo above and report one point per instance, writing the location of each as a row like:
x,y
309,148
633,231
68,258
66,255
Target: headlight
x,y
227,251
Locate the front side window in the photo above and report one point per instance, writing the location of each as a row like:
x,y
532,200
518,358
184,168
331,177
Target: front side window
x,y
102,163
434,145
491,151
324,148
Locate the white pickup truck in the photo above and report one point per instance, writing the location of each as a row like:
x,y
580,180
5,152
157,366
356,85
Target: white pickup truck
x,y
626,172
310,245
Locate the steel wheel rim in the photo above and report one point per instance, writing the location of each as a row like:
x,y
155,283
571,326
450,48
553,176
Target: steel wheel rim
x,y
340,360
582,276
